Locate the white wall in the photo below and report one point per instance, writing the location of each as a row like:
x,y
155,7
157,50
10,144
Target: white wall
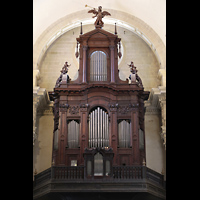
x,y
152,12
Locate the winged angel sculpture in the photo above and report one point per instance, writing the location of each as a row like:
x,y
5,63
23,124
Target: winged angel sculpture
x,y
99,14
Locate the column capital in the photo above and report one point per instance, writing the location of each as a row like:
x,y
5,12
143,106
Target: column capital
x,y
85,47
112,47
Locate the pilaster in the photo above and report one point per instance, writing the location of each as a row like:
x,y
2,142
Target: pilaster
x,y
40,100
85,47
112,52
157,101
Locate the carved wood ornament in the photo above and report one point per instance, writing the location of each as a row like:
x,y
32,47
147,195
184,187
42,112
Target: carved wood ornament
x,y
91,100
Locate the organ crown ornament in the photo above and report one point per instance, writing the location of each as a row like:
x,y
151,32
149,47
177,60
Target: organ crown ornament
x,y
99,14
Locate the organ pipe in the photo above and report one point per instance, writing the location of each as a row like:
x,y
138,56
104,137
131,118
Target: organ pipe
x,y
98,66
98,128
73,134
124,133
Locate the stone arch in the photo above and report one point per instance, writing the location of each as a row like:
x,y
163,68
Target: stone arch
x,y
123,19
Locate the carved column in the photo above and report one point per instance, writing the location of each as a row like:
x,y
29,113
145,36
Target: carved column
x,y
85,47
135,132
162,100
113,129
158,99
84,138
112,57
40,100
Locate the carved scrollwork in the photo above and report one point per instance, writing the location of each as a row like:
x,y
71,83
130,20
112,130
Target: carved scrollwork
x,y
63,107
124,109
113,107
73,110
84,107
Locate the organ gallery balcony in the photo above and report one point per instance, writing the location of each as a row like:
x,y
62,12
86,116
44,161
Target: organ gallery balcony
x,y
58,182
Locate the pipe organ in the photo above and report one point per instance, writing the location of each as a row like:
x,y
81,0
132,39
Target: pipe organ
x,y
99,118
99,132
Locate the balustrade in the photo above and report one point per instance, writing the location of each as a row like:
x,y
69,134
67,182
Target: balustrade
x,y
120,173
72,173
127,172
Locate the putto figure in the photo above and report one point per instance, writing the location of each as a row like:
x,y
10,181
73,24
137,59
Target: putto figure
x,y
63,71
99,14
133,70
65,68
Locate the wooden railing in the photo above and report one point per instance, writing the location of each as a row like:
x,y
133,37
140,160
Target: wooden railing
x,y
127,172
119,173
137,172
68,172
154,176
42,177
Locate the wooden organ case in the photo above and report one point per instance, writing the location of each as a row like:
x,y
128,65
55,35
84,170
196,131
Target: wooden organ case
x,y
98,118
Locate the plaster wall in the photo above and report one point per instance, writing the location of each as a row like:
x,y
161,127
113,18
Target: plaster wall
x,y
155,152
42,151
46,12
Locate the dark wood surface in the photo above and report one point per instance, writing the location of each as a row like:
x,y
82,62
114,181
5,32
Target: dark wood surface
x,y
75,99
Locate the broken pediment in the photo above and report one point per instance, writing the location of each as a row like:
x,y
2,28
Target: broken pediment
x,y
97,34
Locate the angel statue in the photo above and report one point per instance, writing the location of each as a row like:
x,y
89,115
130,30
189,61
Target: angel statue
x,y
63,72
134,71
99,14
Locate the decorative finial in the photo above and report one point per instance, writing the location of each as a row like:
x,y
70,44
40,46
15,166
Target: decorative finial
x,y
115,29
81,32
77,53
120,54
99,14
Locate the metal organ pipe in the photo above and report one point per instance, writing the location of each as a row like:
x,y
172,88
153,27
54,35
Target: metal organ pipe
x,y
98,66
98,128
124,128
73,134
